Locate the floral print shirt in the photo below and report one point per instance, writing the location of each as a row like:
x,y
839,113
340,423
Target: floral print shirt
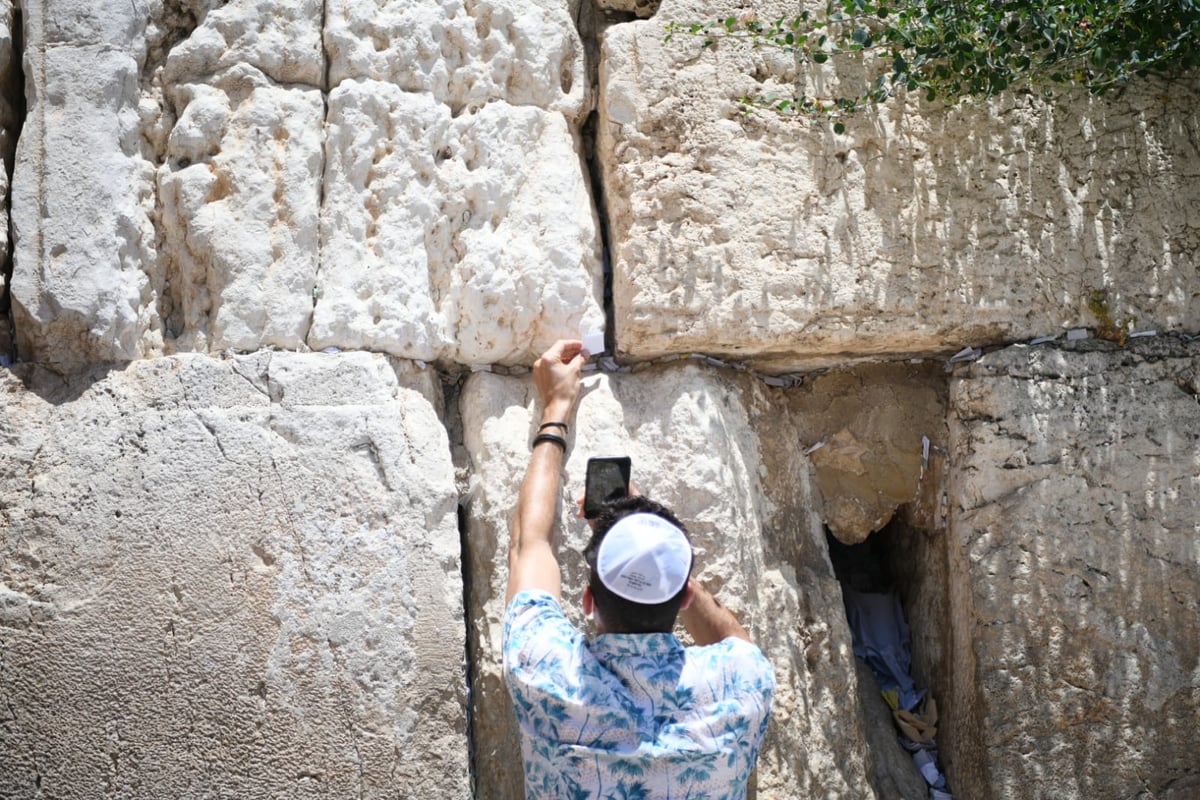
x,y
631,716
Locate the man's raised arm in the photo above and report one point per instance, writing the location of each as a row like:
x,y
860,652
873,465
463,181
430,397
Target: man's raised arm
x,y
532,559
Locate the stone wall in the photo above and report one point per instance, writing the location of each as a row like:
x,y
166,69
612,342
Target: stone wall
x,y
278,269
917,230
230,577
1076,502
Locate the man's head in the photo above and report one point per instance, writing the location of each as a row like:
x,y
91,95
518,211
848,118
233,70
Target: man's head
x,y
639,553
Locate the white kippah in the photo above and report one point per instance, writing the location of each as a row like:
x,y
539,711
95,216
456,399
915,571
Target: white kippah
x,y
644,558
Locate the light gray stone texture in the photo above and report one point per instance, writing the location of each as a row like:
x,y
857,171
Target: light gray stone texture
x,y
240,184
919,230
234,578
84,244
1074,499
469,239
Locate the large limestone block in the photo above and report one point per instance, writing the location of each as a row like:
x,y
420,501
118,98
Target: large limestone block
x,y
468,238
174,195
463,54
230,578
1075,499
240,198
239,188
919,230
694,447
83,242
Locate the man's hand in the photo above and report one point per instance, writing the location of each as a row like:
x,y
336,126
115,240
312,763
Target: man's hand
x,y
707,620
556,374
532,561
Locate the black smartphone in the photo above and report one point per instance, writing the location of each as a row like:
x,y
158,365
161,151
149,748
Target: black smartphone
x,y
607,479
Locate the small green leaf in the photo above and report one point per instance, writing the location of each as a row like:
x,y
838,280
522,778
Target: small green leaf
x,y
839,128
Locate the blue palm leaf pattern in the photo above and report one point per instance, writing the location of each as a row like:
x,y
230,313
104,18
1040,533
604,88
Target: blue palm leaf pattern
x,y
631,717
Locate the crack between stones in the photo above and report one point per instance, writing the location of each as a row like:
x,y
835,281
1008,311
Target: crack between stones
x,y
326,68
15,91
595,174
468,656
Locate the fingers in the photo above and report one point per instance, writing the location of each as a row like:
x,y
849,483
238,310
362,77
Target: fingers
x,y
564,351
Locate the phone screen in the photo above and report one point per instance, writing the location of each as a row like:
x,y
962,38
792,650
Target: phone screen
x,y
607,479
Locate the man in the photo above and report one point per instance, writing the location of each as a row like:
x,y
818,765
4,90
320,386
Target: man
x,y
631,713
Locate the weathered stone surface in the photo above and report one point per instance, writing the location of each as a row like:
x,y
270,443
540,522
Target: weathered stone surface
x,y
240,196
890,407
699,442
83,241
239,188
470,238
919,230
280,38
463,232
235,578
463,54
1075,499
242,577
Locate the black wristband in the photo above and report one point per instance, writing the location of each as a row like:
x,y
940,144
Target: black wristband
x,y
550,437
545,425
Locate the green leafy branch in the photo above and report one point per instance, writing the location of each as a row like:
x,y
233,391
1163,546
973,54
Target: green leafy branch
x,y
968,48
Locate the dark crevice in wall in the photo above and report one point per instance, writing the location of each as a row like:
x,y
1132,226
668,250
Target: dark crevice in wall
x,y
597,187
592,22
468,655
904,559
451,392
12,90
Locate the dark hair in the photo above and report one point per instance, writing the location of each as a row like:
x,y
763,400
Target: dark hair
x,y
621,615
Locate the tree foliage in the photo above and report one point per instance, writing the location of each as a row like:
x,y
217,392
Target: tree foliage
x,y
969,48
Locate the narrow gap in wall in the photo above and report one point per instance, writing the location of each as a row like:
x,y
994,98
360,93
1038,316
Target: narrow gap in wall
x,y
451,392
14,104
890,585
591,23
468,654
597,185
326,71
